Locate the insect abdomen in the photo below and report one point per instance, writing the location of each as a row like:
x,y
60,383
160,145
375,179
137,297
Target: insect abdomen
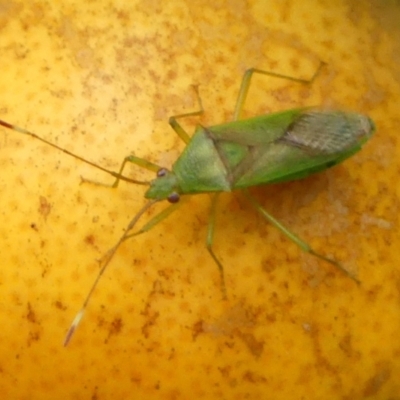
x,y
314,141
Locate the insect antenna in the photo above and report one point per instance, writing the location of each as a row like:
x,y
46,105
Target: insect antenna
x,y
108,257
116,175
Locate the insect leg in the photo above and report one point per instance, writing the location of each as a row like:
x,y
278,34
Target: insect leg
x,y
141,162
294,238
156,219
176,126
110,254
209,242
105,263
245,85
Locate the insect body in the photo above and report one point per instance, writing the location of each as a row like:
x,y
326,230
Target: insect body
x,y
266,149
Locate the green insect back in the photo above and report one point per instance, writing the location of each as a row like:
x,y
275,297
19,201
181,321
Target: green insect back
x,y
288,145
266,149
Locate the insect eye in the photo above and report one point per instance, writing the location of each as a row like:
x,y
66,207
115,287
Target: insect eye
x,y
173,197
162,172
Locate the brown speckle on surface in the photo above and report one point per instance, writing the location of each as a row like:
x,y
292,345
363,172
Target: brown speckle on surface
x,y
376,382
31,316
44,207
58,304
101,80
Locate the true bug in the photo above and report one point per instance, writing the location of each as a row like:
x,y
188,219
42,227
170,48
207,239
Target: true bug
x,y
266,149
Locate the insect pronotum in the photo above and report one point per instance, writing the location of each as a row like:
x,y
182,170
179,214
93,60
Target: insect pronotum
x,y
272,148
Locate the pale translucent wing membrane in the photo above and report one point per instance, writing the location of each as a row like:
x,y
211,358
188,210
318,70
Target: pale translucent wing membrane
x,y
329,132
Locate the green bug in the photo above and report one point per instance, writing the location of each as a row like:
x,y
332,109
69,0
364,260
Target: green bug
x,y
272,148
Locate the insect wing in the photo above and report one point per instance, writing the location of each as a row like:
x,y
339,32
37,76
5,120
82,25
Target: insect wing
x,y
289,145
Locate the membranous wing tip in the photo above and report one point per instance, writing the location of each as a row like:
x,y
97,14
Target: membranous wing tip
x,y
327,132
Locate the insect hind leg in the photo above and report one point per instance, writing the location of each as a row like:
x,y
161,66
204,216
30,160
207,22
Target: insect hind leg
x,y
294,238
246,80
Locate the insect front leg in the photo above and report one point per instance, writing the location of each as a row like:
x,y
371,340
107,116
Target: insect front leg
x,y
176,126
173,121
141,162
246,80
156,220
293,237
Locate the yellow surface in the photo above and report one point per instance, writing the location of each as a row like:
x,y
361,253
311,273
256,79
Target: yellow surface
x,y
101,79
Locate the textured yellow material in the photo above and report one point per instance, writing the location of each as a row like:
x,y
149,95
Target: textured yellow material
x,y
101,79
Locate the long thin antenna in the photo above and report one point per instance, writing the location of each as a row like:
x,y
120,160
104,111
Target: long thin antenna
x,y
108,258
31,134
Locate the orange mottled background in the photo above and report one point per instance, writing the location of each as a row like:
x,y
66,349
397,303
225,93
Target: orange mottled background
x,y
101,79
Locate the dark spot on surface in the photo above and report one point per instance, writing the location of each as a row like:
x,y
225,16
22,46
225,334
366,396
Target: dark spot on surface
x,y
114,328
31,316
33,337
237,322
373,293
255,346
58,304
152,317
375,383
197,329
252,377
268,266
94,395
347,346
90,239
44,272
225,371
44,207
